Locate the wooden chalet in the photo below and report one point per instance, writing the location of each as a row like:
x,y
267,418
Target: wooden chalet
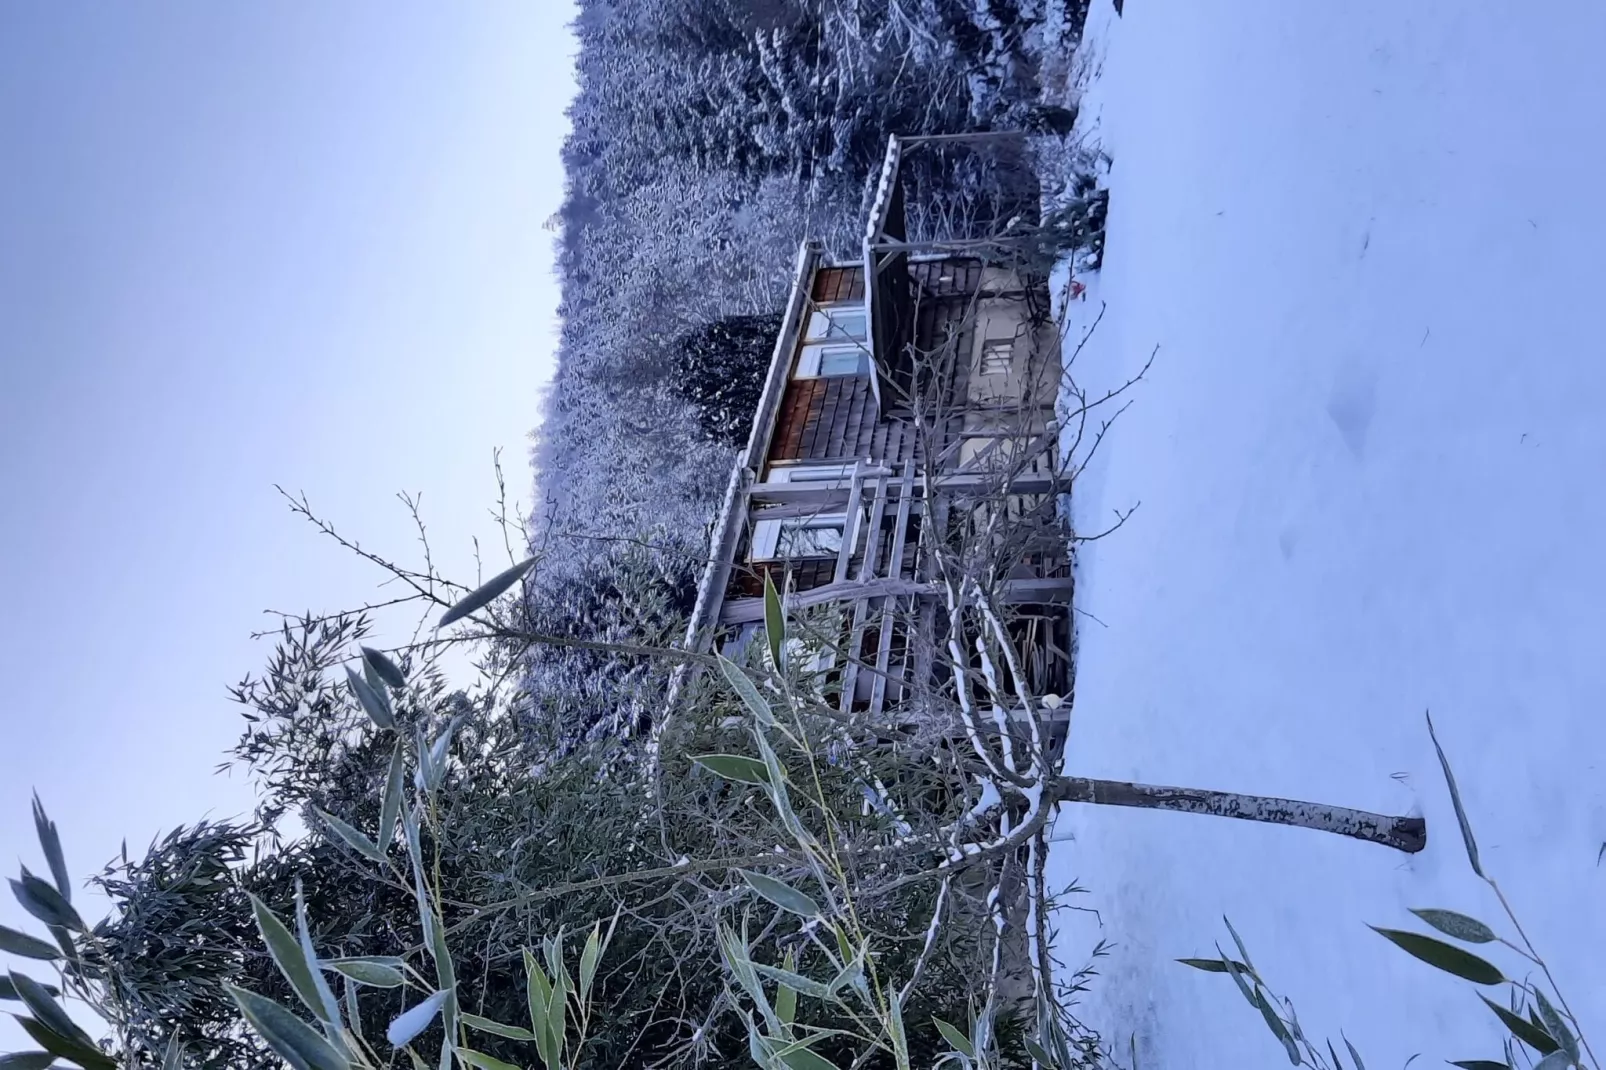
x,y
911,387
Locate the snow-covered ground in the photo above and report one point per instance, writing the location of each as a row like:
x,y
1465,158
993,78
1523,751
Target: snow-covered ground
x,y
1367,238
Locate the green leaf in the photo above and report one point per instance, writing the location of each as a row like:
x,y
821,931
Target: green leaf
x,y
375,703
1242,950
41,899
1212,965
733,950
415,1019
26,1060
1556,1060
485,1025
1459,926
1525,1031
782,895
1338,1063
1036,1051
353,1007
1278,1029
1353,1054
391,802
29,947
797,1058
350,836
383,667
745,690
1446,957
375,971
538,992
481,1061
295,1042
331,1009
793,980
1555,1025
9,991
895,1033
1480,1064
737,767
1455,801
43,1006
50,843
774,622
1237,976
86,1055
487,593
961,1043
589,957
173,1057
286,952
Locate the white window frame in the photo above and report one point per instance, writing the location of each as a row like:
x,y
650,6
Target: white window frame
x,y
810,473
769,534
831,323
997,356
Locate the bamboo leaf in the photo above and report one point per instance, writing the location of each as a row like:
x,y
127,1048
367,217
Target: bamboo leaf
x,y
1038,1052
50,843
774,623
350,836
41,899
1237,976
85,1055
173,1057
1555,1025
589,957
1525,1031
1354,1055
26,1060
48,1013
413,1021
295,1042
538,992
797,1058
353,1007
1459,926
1445,956
374,703
486,593
793,980
746,691
29,947
737,767
9,991
896,1033
1338,1063
286,952
958,1040
373,971
782,895
1480,1064
481,1061
1211,965
391,802
1455,801
485,1025
1242,950
383,667
331,1009
1278,1029
1556,1060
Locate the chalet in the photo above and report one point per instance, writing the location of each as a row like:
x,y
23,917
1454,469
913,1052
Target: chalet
x,y
909,405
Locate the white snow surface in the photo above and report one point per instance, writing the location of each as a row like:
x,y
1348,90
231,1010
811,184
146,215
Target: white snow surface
x,y
1367,239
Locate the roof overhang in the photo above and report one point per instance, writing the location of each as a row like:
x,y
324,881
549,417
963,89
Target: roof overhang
x,y
744,473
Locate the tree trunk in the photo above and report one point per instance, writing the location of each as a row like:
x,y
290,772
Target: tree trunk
x,y
1408,834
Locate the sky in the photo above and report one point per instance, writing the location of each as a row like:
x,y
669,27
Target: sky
x,y
244,245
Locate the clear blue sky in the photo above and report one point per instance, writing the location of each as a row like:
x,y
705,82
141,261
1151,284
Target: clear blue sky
x,y
242,244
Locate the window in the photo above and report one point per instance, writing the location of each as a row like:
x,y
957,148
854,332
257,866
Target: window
x,y
797,537
824,360
809,473
840,323
996,356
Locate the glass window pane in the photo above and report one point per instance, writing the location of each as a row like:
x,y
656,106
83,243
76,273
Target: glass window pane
x,y
838,324
841,360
